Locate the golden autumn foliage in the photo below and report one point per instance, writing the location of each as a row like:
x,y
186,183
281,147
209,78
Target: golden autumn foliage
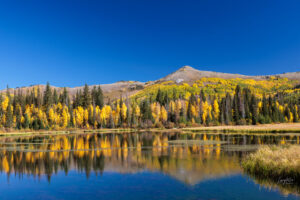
x,y
162,104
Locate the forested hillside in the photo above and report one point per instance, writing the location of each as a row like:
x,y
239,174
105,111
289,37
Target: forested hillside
x,y
206,101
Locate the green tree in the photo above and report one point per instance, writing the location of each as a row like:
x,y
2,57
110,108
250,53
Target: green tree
x,y
86,96
48,99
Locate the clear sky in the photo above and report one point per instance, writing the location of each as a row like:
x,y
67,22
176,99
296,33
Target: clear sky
x,y
69,43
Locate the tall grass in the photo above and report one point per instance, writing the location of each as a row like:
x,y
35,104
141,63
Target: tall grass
x,y
276,162
263,128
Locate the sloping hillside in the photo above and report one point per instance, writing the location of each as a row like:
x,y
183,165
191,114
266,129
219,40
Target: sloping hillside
x,y
290,75
189,74
185,74
110,91
115,90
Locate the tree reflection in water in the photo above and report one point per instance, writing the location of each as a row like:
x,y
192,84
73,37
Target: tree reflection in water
x,y
189,158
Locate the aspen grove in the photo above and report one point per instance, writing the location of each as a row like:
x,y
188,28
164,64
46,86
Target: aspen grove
x,y
170,108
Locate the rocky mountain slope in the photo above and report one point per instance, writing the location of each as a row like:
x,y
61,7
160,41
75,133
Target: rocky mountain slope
x,y
185,74
190,74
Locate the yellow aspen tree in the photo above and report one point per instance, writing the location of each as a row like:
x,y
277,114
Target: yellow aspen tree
x,y
216,109
79,116
124,111
42,116
178,106
137,111
51,116
163,114
97,113
59,107
281,108
259,105
56,119
74,119
116,116
172,106
22,119
187,95
118,109
108,112
204,110
103,116
65,117
155,108
291,117
28,112
209,111
4,103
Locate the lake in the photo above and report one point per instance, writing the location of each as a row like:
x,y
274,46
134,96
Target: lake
x,y
131,166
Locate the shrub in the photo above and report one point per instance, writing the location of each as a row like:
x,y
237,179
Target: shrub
x,y
275,162
170,125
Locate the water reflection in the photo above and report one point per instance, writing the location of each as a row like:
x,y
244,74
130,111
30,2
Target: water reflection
x,y
189,158
283,185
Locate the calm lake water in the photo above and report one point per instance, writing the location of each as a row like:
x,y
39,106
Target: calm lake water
x,y
136,166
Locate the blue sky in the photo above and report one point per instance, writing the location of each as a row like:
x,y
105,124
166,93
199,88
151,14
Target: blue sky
x,y
69,43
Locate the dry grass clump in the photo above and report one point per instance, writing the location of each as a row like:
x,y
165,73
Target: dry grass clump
x,y
263,128
277,162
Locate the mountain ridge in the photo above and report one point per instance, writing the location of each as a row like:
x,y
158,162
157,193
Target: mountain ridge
x,y
186,74
189,73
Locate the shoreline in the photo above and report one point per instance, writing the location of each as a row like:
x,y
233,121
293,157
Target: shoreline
x,y
278,163
265,128
262,128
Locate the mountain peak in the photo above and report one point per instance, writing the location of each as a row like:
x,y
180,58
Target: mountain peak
x,y
186,67
190,74
184,73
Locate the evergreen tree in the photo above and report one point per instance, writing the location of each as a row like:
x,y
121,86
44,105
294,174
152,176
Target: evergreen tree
x,y
166,99
39,98
174,94
160,97
48,97
238,105
222,111
146,111
265,109
236,113
55,96
9,115
253,109
202,95
111,123
247,99
8,92
98,97
64,96
26,121
228,108
86,97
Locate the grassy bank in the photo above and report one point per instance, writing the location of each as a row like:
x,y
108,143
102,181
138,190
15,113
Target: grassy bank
x,y
280,163
264,128
61,132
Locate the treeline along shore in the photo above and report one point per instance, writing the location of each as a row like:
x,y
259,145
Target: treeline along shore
x,y
161,107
